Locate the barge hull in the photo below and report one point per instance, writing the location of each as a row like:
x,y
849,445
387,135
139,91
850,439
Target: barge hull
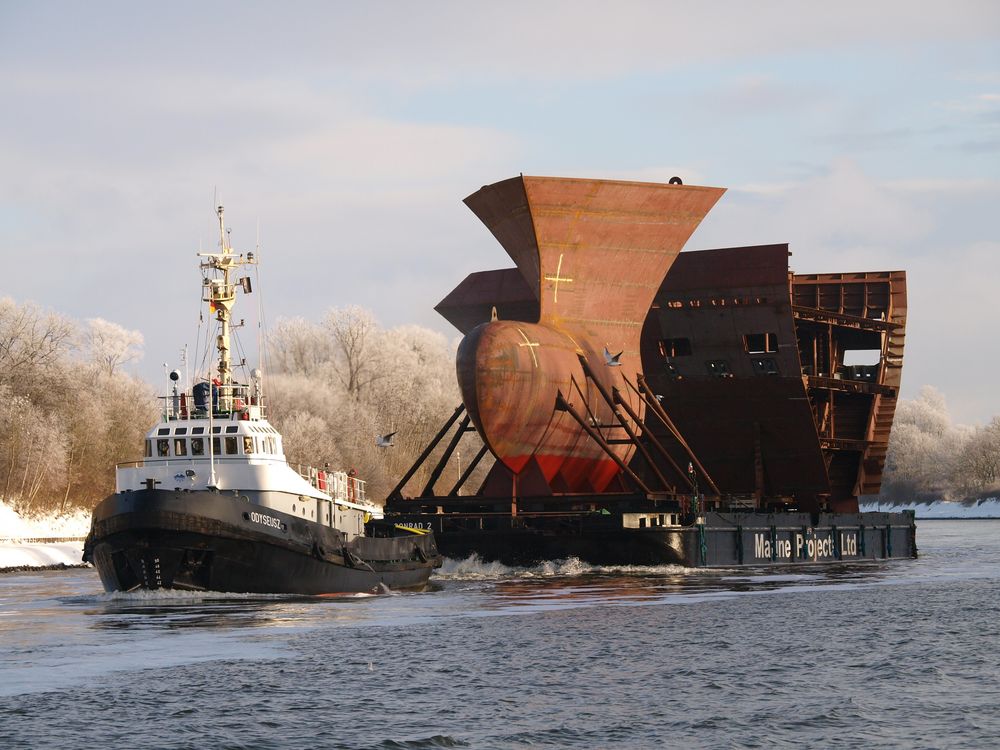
x,y
714,539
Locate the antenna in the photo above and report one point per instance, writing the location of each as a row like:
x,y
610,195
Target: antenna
x,y
260,312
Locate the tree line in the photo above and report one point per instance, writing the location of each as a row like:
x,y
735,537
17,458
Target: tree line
x,y
932,458
69,412
336,385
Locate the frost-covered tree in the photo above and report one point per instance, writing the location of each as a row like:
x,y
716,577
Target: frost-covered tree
x,y
359,355
298,346
931,458
977,466
111,345
66,415
360,380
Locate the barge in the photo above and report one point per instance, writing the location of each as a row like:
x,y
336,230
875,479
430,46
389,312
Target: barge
x,y
643,405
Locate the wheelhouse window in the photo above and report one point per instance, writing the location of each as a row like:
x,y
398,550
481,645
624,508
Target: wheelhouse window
x,y
216,446
149,449
231,447
197,430
162,447
232,428
180,447
181,431
247,444
760,343
198,446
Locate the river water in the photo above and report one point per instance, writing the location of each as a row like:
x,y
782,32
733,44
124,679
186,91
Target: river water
x,y
905,654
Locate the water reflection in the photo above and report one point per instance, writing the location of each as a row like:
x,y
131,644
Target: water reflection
x,y
651,585
170,612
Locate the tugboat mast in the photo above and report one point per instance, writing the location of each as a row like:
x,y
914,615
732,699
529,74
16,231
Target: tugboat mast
x,y
220,293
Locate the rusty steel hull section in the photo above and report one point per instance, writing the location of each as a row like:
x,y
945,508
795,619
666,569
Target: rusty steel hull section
x,y
592,254
837,315
750,361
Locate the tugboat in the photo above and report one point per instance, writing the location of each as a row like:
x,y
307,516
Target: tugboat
x,y
215,506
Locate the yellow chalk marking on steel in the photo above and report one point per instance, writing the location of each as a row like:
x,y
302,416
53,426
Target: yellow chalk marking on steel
x,y
557,278
530,344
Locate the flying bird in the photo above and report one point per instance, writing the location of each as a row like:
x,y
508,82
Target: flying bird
x,y
612,360
385,441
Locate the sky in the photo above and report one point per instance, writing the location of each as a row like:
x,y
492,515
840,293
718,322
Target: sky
x,y
343,137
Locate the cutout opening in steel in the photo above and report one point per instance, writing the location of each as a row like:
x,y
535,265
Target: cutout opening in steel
x,y
760,343
862,357
675,347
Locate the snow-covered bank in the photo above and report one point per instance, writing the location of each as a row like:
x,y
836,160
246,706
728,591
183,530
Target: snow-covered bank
x,y
21,544
942,509
13,555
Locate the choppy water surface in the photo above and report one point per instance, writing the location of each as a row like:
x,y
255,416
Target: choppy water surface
x,y
899,655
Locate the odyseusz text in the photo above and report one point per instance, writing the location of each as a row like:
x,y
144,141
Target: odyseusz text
x,y
271,521
805,547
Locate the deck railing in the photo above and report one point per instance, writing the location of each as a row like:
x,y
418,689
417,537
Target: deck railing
x,y
225,401
339,485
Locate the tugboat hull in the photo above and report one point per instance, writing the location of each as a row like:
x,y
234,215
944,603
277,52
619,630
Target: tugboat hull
x,y
209,541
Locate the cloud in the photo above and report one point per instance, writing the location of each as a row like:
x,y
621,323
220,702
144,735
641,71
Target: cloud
x,y
759,94
943,185
432,42
936,229
353,132
827,216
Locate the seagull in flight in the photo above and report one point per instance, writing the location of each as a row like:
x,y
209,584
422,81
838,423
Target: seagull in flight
x,y
612,360
385,441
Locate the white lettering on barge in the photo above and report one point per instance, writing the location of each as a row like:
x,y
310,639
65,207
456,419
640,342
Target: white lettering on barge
x,y
807,547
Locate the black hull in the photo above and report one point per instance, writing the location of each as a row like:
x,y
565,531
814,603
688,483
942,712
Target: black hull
x,y
208,541
716,539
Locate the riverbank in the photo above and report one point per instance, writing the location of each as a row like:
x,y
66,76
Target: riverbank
x,y
41,541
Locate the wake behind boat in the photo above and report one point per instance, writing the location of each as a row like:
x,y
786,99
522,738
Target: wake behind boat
x,y
214,504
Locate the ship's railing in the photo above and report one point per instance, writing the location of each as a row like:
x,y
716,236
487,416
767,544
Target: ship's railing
x,y
225,400
337,484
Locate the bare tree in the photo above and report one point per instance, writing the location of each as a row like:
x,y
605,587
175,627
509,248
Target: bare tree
x,y
357,345
32,341
299,347
111,345
977,466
